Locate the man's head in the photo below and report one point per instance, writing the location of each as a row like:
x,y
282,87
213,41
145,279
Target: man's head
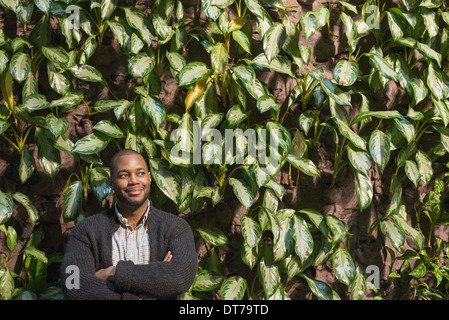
x,y
130,179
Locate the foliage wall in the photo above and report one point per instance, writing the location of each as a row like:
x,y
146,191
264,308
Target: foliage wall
x,y
349,100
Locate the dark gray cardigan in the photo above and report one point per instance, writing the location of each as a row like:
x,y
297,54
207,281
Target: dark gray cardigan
x,y
89,247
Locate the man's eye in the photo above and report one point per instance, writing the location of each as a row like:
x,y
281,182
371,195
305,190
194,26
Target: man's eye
x,y
141,173
123,176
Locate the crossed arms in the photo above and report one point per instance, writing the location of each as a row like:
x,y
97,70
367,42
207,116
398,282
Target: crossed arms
x,y
170,273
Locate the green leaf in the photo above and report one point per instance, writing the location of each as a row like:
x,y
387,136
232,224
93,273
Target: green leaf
x,y
107,7
335,93
417,236
3,60
419,271
396,26
303,238
346,72
437,82
20,66
346,131
247,76
44,5
267,102
55,125
307,119
11,238
167,180
359,160
358,285
364,190
141,65
33,214
391,229
87,73
35,102
35,254
429,52
164,31
49,157
430,19
213,235
219,56
57,55
382,65
193,72
241,38
249,255
338,228
69,102
177,62
273,40
405,127
92,143
206,280
251,231
269,272
343,266
412,171
139,22
278,63
379,147
27,165
378,114
308,23
57,80
317,219
73,199
442,109
304,165
242,191
11,5
99,181
321,290
233,288
348,6
109,128
210,122
41,34
7,285
153,107
424,166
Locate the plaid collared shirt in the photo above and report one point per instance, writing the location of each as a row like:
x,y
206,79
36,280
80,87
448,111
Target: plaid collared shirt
x,y
131,244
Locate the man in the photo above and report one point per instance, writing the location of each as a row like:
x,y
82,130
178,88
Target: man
x,y
132,250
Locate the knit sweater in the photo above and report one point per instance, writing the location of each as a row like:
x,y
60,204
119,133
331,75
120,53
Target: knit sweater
x,y
89,248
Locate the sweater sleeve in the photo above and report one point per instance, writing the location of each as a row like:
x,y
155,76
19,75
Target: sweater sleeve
x,y
78,278
162,280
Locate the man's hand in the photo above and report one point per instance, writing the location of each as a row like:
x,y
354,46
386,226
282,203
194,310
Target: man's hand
x,y
108,273
105,274
168,257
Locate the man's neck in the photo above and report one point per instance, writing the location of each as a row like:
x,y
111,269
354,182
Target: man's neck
x,y
132,214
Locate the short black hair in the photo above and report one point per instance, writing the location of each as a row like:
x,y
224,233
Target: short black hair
x,y
125,152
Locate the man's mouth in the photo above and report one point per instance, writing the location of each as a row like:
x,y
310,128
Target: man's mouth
x,y
134,192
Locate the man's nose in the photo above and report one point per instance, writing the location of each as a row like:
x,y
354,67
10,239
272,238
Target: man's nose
x,y
132,179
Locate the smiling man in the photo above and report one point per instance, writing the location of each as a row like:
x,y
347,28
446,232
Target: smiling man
x,y
132,250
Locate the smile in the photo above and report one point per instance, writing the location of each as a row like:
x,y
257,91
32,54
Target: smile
x,y
133,192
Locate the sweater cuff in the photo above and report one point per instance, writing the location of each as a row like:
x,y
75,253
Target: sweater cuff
x,y
121,278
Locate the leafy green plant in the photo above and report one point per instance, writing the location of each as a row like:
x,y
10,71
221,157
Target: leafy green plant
x,y
32,256
231,137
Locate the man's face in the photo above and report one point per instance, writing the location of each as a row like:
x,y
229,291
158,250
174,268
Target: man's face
x,y
131,181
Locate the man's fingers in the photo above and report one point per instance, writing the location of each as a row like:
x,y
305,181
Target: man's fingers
x,y
168,257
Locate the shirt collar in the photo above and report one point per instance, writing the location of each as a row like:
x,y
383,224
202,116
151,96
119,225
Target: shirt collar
x,y
124,221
